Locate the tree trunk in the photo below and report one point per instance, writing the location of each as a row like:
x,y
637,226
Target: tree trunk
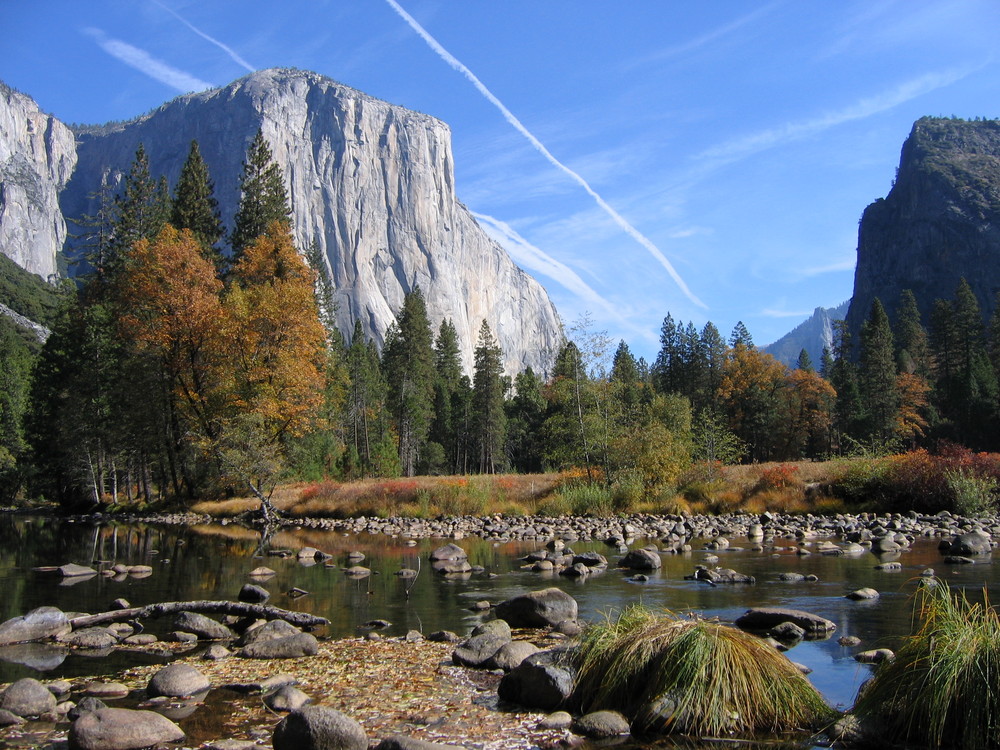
x,y
299,619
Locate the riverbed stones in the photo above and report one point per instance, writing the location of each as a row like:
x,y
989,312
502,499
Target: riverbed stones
x,y
122,729
601,725
96,637
43,622
538,609
761,619
268,631
557,720
402,742
106,690
510,655
27,697
874,656
177,681
318,728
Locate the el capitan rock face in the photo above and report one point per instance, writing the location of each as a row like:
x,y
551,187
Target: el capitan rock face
x,y
939,223
37,156
370,183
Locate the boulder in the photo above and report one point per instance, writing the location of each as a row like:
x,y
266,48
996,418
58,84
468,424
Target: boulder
x,y
640,559
541,681
253,594
85,705
762,619
449,552
972,543
864,594
538,609
286,698
510,655
401,742
92,638
269,631
177,681
27,697
600,725
72,570
716,576
121,729
44,622
477,650
289,647
9,718
497,627
318,728
874,656
204,627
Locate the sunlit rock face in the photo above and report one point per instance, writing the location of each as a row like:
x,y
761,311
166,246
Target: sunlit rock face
x,y
939,223
37,156
371,185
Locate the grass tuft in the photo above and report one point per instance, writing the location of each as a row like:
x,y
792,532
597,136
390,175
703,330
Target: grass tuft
x,y
692,676
942,689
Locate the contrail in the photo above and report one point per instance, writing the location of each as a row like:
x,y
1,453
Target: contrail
x,y
146,63
517,125
228,50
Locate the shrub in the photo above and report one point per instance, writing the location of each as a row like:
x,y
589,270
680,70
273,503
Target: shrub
x,y
692,676
702,481
941,689
588,499
971,495
777,477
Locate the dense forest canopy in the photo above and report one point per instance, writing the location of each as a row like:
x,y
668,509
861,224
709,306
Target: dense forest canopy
x,y
181,369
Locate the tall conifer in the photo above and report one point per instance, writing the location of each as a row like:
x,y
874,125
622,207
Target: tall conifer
x,y
263,197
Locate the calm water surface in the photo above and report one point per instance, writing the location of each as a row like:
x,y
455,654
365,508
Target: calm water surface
x,y
212,562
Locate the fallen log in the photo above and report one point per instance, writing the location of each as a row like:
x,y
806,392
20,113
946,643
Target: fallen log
x,y
242,609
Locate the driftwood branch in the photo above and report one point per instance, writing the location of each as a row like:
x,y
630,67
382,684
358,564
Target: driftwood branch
x,y
242,609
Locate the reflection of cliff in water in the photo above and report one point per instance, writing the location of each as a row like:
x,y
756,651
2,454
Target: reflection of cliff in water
x,y
212,561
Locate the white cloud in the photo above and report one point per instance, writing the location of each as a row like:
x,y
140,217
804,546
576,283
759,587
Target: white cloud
x,y
772,313
146,63
740,148
228,50
540,147
846,263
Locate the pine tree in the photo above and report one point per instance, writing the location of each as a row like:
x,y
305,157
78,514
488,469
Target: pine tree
x,y
488,389
912,349
195,207
263,197
140,211
843,376
877,376
804,362
408,362
448,374
740,336
525,415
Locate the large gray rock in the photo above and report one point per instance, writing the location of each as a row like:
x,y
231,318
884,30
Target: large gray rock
x,y
641,559
318,728
92,638
401,742
177,681
269,631
600,725
538,609
204,627
972,543
122,729
542,681
44,622
510,655
289,647
449,552
764,618
371,184
27,697
37,156
477,650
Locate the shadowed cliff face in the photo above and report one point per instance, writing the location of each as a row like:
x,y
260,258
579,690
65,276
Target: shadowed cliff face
x,y
37,155
939,223
370,183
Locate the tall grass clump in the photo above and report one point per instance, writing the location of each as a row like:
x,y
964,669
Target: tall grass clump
x,y
589,499
942,688
692,676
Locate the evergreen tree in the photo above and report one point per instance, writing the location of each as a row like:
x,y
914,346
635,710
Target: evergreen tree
x,y
912,349
408,362
525,415
488,389
195,207
803,362
844,379
666,368
140,211
448,374
877,376
263,197
15,370
740,336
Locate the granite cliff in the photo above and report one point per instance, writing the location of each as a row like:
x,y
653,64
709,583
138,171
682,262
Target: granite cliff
x,y
939,223
813,335
370,183
37,156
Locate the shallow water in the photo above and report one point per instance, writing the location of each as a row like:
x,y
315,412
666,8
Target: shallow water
x,y
212,562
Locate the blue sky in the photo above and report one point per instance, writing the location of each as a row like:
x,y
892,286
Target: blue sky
x,y
708,160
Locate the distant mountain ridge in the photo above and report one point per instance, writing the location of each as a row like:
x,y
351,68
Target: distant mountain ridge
x,y
370,184
813,335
